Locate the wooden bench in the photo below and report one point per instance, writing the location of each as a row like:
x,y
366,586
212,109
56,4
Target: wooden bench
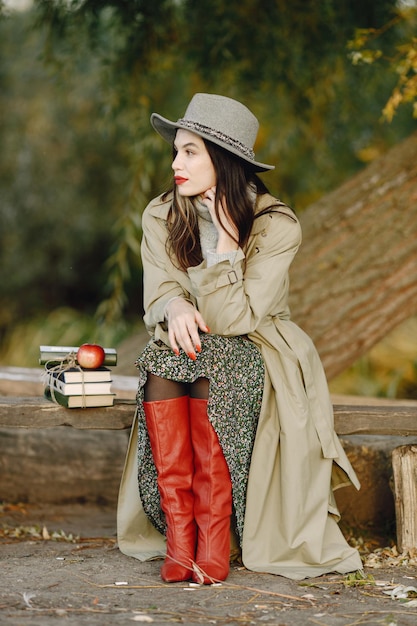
x,y
389,419
37,412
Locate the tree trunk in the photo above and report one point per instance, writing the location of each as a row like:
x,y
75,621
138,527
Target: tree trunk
x,y
355,276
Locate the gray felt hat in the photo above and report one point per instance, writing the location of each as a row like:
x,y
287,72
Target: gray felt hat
x,y
221,120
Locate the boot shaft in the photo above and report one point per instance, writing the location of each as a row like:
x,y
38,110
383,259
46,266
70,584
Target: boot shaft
x,y
212,497
168,424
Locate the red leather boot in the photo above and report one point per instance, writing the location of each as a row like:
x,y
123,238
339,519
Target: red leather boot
x,y
212,498
168,424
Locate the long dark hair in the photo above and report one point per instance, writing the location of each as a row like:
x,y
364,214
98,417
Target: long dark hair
x,y
235,179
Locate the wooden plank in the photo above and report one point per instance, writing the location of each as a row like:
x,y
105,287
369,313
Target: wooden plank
x,y
404,466
37,412
375,420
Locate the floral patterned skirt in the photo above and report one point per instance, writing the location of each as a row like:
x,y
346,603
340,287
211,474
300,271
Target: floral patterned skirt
x,y
235,370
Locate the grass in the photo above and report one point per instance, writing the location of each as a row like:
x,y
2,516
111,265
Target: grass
x,y
62,327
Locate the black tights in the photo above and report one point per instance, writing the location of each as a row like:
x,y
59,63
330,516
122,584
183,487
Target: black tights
x,y
157,388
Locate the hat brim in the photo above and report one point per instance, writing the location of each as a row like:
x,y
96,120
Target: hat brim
x,y
168,129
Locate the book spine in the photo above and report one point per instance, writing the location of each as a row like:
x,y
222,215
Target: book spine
x,y
55,396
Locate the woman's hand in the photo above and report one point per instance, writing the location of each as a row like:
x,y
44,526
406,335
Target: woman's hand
x,y
183,323
228,232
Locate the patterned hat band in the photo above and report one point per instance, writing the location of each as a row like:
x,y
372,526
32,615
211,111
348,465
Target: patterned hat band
x,y
200,128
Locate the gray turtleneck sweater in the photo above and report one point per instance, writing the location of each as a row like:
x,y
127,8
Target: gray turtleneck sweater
x,y
209,238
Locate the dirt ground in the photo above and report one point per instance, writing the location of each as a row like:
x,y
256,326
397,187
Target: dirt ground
x,y
61,565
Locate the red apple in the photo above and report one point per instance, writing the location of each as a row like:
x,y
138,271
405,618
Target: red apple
x,y
90,356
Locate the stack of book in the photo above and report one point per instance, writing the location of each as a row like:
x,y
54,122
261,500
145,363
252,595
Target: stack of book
x,y
73,386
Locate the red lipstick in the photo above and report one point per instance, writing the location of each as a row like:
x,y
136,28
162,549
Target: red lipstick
x,y
179,180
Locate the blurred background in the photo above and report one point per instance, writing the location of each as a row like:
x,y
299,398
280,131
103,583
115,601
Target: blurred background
x,y
79,160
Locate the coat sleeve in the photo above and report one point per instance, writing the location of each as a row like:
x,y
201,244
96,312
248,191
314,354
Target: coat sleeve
x,y
160,284
236,300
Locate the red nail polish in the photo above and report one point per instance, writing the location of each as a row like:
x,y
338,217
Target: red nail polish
x,y
192,356
176,352
208,329
198,348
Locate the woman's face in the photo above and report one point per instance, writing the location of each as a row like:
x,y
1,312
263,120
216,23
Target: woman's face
x,y
193,169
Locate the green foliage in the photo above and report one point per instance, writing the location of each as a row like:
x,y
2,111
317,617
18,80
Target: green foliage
x,y
370,45
57,173
61,327
288,62
135,55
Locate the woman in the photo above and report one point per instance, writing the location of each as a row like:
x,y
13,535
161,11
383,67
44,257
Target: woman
x,y
234,420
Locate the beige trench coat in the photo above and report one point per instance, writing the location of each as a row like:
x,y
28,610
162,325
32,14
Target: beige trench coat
x,y
291,516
